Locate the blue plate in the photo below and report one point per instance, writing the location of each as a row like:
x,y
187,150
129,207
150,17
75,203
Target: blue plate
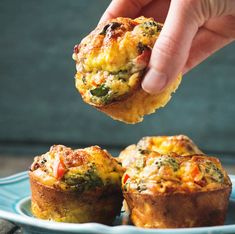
x,y
15,207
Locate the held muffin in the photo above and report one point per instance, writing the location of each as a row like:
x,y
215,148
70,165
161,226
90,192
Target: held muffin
x,y
180,144
110,64
171,191
82,185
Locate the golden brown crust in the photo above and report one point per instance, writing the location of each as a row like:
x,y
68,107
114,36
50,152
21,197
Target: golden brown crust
x,y
110,64
179,144
166,174
82,185
77,169
179,210
140,103
100,205
172,191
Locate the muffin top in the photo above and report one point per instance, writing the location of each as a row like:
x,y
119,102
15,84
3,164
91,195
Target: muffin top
x,y
170,173
179,144
112,58
80,169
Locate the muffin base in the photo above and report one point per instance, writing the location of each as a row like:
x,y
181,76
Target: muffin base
x,y
178,210
132,109
100,205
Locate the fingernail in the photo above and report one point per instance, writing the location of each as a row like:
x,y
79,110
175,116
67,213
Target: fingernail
x,y
154,81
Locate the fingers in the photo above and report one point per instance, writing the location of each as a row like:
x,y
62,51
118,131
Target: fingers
x,y
157,9
204,44
171,49
223,25
124,8
215,34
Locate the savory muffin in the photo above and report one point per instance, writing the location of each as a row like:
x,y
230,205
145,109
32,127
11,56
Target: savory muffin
x,y
110,64
82,185
171,191
180,144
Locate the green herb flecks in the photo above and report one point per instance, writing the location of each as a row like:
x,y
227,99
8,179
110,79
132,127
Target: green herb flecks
x,y
150,28
167,161
121,75
83,181
150,24
214,172
100,91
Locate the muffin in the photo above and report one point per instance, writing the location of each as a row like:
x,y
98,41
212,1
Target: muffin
x,y
172,191
110,64
76,186
180,144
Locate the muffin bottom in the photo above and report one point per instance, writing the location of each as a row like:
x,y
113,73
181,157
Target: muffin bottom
x,y
178,210
100,205
132,109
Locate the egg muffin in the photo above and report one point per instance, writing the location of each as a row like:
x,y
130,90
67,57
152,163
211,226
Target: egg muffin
x,y
179,144
171,191
110,64
76,186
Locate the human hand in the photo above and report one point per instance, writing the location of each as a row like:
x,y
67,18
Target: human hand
x,y
193,30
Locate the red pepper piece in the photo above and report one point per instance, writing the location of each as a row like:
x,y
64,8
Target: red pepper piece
x,y
126,177
59,170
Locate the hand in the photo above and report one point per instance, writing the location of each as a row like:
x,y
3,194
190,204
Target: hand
x,y
193,30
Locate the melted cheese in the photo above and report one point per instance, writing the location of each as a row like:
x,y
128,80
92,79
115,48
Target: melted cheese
x,y
94,164
106,55
179,144
166,174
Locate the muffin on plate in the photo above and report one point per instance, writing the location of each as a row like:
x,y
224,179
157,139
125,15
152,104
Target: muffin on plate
x,y
76,186
171,191
110,64
180,144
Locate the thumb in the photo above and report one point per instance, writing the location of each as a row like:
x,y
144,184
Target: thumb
x,y
171,49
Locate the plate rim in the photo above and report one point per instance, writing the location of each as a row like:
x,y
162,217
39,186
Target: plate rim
x,y
94,227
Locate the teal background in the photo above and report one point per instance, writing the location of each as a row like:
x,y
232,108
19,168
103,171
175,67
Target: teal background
x,y
39,105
